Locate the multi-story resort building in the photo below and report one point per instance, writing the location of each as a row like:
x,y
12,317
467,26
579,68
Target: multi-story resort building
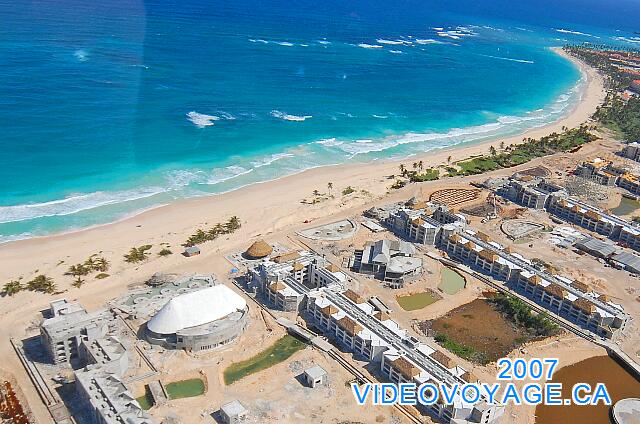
x,y
605,173
631,151
89,341
529,191
559,295
600,171
558,203
276,276
68,326
479,252
371,335
391,261
596,220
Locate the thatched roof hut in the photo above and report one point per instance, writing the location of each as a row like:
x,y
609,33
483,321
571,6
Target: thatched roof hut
x,y
259,249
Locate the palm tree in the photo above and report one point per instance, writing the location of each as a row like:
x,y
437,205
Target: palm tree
x,y
42,283
329,186
233,223
316,193
449,159
420,165
101,264
78,269
90,263
78,282
492,151
402,169
12,287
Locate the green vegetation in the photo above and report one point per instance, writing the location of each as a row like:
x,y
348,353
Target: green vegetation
x,y
431,174
202,236
94,263
12,288
348,190
41,283
519,312
165,252
413,302
615,113
102,276
185,388
514,155
137,254
464,352
398,184
280,351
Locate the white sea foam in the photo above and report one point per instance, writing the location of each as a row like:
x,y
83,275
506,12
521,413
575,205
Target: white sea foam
x,y
227,116
427,41
380,116
201,120
74,204
325,42
393,42
396,51
509,59
82,55
271,159
568,31
284,43
225,174
287,117
329,142
369,46
634,40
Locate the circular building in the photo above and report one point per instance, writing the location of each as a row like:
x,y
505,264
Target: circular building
x,y
199,320
626,411
258,250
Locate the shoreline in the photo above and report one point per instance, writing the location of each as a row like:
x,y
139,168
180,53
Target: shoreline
x,y
591,97
460,151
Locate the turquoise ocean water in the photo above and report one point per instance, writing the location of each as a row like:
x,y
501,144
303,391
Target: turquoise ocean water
x,y
107,109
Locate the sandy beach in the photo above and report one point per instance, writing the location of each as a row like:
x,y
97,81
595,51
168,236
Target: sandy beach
x,y
265,210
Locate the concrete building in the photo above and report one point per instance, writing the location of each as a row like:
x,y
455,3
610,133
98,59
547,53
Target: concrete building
x,y
597,248
532,192
630,182
315,376
199,320
601,171
631,151
558,295
68,326
89,342
233,412
391,261
595,219
275,277
108,398
423,226
372,336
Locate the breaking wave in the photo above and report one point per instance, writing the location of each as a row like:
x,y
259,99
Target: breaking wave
x,y
201,120
287,117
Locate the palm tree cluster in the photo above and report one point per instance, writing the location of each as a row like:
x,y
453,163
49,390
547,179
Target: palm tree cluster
x,y
417,175
514,155
214,232
40,283
137,254
93,264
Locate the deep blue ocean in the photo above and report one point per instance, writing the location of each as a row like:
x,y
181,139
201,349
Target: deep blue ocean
x,y
109,108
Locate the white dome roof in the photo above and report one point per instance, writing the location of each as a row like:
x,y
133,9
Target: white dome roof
x,y
196,308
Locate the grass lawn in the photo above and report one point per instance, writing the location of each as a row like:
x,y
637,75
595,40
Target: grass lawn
x,y
276,353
